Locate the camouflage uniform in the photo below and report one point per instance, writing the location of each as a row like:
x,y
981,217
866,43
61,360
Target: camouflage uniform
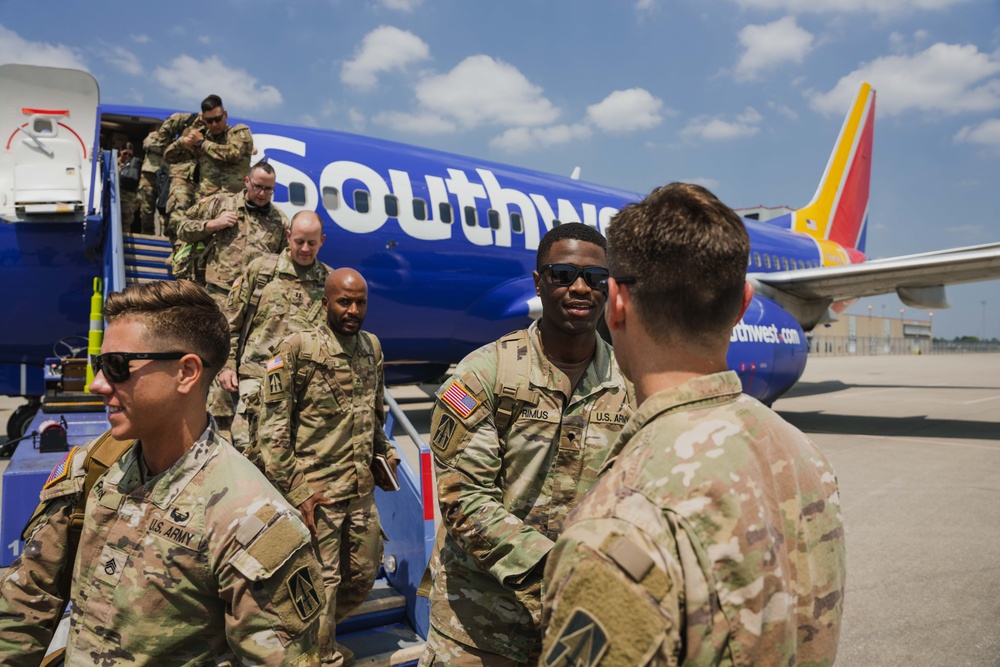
x,y
147,182
714,538
183,166
504,497
320,435
223,159
129,203
289,300
204,563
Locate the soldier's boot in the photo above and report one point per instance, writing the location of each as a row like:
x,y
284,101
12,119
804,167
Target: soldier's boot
x,y
346,654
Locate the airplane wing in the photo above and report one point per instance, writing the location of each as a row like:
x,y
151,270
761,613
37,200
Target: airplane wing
x,y
919,281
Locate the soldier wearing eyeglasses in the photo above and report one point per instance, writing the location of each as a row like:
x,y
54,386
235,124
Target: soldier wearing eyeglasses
x,y
187,554
223,233
519,433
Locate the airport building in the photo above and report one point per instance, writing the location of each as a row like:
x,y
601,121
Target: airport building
x,y
871,334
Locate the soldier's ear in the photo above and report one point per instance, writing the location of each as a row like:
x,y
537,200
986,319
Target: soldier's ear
x,y
190,373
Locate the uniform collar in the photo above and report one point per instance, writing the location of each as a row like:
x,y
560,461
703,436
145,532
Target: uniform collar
x,y
287,266
169,485
336,349
602,372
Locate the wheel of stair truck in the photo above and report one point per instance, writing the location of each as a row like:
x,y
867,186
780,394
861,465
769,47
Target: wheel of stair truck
x,y
17,425
70,347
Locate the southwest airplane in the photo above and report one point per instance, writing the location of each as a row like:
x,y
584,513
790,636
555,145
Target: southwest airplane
x,y
446,242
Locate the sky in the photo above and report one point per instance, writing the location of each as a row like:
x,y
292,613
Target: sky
x,y
745,97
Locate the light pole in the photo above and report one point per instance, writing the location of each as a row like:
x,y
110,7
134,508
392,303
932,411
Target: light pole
x,y
984,319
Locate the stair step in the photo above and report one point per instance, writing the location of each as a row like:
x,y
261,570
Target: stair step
x,y
385,605
388,646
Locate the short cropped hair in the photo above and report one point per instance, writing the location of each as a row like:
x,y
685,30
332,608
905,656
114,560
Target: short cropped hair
x,y
263,165
211,102
314,215
688,254
180,313
568,230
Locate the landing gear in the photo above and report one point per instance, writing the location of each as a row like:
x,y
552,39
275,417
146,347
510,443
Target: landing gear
x,y
17,425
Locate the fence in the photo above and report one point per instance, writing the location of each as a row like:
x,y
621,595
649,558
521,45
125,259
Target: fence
x,y
840,346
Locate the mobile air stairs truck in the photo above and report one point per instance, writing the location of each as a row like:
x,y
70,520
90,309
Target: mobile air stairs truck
x,y
61,251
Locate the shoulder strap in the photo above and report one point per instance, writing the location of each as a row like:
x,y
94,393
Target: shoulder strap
x,y
307,361
374,344
103,454
267,269
512,390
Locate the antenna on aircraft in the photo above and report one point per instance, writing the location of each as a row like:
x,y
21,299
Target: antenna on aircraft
x,y
575,176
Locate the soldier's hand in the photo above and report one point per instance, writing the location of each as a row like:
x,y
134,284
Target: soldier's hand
x,y
379,474
227,219
307,509
192,138
228,380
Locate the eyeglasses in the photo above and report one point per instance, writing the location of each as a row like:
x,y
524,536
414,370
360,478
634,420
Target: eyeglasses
x,y
565,275
261,188
214,119
115,367
625,280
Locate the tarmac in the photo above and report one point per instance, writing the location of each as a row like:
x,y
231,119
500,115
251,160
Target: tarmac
x,y
915,442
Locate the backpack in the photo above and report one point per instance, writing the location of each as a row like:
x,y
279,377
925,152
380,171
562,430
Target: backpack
x,y
128,175
162,188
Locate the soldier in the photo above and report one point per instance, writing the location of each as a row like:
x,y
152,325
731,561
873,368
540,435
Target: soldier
x,y
148,192
129,202
221,152
518,435
183,167
714,536
162,577
275,296
232,229
321,420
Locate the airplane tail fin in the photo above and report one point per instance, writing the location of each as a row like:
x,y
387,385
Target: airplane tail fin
x,y
838,211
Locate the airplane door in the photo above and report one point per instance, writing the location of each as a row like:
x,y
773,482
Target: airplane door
x,y
48,120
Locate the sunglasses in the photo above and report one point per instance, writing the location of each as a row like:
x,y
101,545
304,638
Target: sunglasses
x,y
565,275
115,367
214,119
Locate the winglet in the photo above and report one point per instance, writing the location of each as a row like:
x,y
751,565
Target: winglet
x,y
839,210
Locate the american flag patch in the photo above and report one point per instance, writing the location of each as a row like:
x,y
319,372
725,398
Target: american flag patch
x,y
236,283
275,363
459,398
60,471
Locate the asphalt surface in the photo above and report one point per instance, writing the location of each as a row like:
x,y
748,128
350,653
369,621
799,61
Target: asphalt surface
x,y
915,442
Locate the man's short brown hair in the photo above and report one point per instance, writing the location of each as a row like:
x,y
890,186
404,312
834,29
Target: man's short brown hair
x,y
180,314
688,254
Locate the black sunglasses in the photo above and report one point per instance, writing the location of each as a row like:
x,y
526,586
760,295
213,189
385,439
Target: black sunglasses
x,y
565,275
115,367
213,119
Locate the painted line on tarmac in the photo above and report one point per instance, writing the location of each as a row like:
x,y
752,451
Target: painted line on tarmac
x,y
982,400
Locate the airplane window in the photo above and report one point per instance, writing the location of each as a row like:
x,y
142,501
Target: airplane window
x,y
391,206
775,261
767,261
470,216
494,217
361,201
297,194
444,213
419,209
801,264
756,259
331,198
784,263
516,223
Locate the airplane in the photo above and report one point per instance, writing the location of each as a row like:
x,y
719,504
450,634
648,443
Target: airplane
x,y
446,242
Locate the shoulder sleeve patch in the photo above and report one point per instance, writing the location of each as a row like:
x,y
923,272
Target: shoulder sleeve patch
x,y
303,590
61,471
275,363
277,383
582,642
460,399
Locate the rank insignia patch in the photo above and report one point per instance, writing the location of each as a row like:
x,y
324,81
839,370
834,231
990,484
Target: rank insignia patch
x,y
582,642
460,400
302,590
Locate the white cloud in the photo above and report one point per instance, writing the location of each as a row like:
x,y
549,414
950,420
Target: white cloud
x,y
382,50
16,49
883,7
484,91
415,123
766,46
140,39
986,133
626,111
401,5
356,119
122,59
191,79
520,139
715,128
944,78
645,5
785,111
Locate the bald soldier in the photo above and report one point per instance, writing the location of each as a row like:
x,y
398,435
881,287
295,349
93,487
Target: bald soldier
x,y
714,537
321,427
275,296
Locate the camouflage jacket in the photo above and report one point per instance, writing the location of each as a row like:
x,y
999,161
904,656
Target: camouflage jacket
x,y
228,250
289,301
203,563
223,159
182,162
153,157
714,538
322,432
504,497
30,602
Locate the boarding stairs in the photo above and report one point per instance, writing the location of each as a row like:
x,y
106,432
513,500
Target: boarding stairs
x,y
147,258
